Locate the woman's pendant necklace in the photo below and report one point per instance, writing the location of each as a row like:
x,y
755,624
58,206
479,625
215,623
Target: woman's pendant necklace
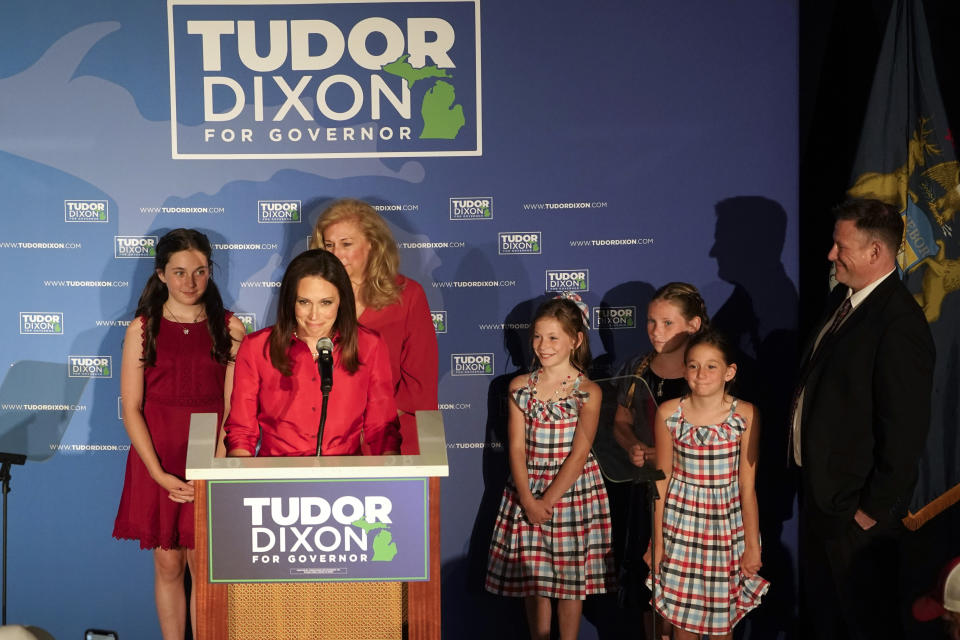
x,y
186,330
660,387
315,354
559,392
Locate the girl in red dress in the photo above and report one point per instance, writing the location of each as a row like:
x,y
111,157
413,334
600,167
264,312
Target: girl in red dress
x,y
177,360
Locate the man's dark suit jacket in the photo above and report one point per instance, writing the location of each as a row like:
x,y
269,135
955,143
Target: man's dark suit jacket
x,y
866,408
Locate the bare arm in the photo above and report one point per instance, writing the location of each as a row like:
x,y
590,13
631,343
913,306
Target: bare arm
x,y
623,433
583,436
237,333
665,464
131,395
534,508
749,452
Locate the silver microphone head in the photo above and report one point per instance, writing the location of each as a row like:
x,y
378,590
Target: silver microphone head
x,y
324,344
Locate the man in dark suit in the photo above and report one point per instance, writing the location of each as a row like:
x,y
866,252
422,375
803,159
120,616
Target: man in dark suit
x,y
859,427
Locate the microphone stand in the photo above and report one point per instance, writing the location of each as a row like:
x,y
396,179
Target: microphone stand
x,y
323,419
325,369
649,476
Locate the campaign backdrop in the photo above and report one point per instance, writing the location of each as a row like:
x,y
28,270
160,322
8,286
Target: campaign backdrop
x,y
514,149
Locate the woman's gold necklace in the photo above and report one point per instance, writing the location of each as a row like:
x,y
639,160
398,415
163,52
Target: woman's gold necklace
x,y
315,354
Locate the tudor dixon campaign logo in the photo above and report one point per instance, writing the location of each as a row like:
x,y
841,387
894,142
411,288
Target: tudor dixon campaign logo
x,y
520,243
249,320
471,208
86,211
471,364
282,211
318,530
134,246
48,323
439,321
614,317
90,366
559,280
324,79
357,528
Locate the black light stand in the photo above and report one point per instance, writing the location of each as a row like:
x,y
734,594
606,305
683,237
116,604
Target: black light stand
x,y
6,459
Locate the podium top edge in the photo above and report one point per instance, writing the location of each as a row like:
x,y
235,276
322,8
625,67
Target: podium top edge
x,y
431,462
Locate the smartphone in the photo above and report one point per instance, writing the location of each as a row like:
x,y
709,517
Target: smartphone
x,y
100,634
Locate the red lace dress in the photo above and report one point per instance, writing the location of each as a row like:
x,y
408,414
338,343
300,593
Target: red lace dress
x,y
185,380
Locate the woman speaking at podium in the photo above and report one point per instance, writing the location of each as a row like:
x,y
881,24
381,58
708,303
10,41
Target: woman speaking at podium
x,y
277,396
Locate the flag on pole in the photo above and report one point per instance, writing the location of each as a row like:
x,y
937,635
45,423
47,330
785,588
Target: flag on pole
x,y
906,158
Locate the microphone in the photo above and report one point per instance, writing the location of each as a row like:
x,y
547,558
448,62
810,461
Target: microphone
x,y
325,366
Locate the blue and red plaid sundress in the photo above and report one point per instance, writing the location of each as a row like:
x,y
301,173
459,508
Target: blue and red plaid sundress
x,y
700,587
570,556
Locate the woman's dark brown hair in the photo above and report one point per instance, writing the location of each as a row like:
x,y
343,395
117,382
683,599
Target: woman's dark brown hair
x,y
155,295
322,264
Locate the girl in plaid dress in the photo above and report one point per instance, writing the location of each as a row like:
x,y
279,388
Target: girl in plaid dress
x,y
551,542
706,536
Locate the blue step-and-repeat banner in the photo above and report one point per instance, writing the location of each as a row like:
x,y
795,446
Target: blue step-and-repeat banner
x,y
513,148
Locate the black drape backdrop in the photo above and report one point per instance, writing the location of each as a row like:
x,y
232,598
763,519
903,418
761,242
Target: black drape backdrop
x,y
839,44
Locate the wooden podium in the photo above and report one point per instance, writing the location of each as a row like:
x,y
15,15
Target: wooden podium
x,y
334,600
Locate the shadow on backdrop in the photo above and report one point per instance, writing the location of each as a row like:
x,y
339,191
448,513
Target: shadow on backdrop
x,y
504,617
760,317
620,614
622,343
38,400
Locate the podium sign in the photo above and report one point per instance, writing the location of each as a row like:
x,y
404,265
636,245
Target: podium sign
x,y
319,530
